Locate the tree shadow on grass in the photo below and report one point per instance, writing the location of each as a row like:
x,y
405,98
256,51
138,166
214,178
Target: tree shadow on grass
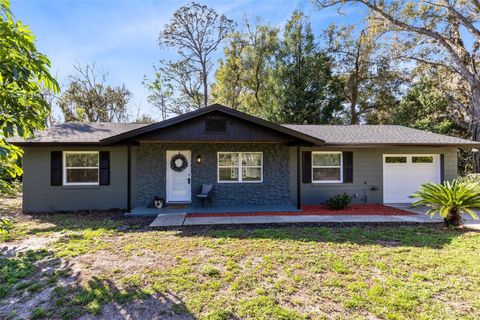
x,y
36,284
388,236
81,220
101,298
27,279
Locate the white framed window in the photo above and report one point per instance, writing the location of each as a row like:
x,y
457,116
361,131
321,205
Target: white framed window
x,y
240,166
327,167
80,167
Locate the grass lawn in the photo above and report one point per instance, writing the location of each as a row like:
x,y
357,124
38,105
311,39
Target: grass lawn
x,y
103,266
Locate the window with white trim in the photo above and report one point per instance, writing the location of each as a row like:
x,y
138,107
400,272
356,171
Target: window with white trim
x,y
80,167
327,167
240,166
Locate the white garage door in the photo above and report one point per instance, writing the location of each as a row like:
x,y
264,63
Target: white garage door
x,y
403,174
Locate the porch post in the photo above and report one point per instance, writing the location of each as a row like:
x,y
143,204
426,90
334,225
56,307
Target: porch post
x,y
299,178
129,177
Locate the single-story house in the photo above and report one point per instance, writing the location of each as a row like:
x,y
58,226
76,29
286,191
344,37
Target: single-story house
x,y
78,166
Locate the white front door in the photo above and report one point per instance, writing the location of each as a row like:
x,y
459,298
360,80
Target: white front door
x,y
179,180
403,174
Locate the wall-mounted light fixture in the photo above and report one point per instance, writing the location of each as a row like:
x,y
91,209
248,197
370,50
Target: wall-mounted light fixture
x,y
199,158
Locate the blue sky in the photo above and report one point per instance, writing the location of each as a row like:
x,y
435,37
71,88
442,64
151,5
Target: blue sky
x,y
120,36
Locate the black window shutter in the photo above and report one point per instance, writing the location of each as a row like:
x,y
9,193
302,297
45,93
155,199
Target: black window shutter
x,y
442,168
56,168
104,178
306,166
347,167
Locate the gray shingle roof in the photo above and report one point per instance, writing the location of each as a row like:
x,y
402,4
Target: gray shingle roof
x,y
377,134
77,132
331,134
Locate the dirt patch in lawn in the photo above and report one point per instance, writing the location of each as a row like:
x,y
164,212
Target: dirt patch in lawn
x,y
28,281
318,210
12,249
157,306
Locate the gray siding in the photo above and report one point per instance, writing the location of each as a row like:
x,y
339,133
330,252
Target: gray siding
x,y
39,195
151,173
149,166
367,172
134,176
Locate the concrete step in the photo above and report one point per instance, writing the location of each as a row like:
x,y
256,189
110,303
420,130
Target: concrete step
x,y
168,220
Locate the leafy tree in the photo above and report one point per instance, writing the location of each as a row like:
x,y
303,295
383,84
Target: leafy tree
x,y
244,78
442,36
24,77
370,84
145,118
259,60
195,31
307,91
175,88
88,98
424,107
230,77
159,95
449,200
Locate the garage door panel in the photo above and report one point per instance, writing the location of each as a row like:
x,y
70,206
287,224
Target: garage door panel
x,y
400,180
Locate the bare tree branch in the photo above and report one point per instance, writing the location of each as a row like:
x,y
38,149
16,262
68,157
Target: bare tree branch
x,y
196,31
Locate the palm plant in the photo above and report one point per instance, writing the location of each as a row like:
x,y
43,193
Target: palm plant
x,y
449,200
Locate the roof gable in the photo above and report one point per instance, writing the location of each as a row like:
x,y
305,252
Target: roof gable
x,y
217,127
186,127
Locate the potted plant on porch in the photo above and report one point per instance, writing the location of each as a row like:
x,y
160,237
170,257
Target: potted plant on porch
x,y
159,202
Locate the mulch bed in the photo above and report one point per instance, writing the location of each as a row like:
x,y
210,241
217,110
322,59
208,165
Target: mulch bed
x,y
318,210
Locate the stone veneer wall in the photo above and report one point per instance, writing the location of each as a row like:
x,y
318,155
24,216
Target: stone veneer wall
x,y
151,173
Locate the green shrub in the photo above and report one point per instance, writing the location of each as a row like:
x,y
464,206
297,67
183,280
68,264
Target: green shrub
x,y
10,187
472,180
338,202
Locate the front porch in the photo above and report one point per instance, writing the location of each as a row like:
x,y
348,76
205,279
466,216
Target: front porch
x,y
153,212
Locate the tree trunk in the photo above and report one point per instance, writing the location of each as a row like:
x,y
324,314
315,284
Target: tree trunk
x,y
205,84
454,219
475,129
353,105
474,124
257,87
353,111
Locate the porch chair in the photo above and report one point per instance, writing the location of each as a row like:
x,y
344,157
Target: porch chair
x,y
206,193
